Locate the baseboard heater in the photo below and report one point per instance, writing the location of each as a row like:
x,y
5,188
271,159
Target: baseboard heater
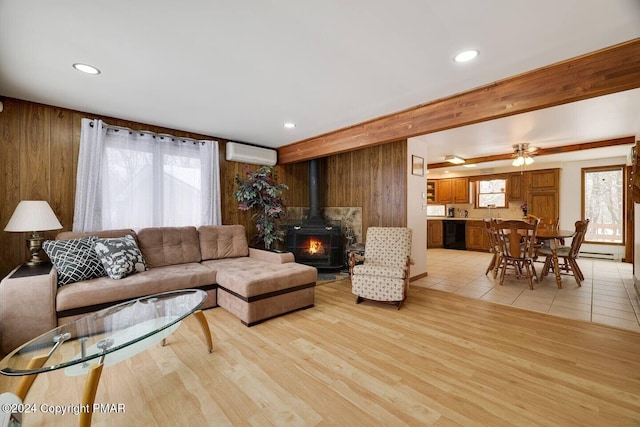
x,y
597,255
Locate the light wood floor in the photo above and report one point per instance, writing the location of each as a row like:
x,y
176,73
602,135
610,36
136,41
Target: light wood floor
x,y
442,360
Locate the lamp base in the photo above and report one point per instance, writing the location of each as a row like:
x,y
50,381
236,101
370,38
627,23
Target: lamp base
x,y
34,245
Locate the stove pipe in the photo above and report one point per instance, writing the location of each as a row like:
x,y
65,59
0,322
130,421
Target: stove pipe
x,y
314,193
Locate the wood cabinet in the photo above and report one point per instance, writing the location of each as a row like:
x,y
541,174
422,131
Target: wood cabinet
x,y
516,186
543,204
460,190
543,193
435,236
431,191
476,237
543,180
452,190
444,191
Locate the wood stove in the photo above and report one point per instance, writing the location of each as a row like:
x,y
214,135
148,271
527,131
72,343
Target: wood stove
x,y
315,241
318,247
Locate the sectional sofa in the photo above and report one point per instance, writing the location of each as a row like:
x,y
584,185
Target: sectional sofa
x,y
253,284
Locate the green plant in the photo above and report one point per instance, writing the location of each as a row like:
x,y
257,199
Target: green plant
x,y
260,192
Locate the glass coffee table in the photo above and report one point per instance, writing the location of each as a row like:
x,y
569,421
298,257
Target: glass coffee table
x,y
104,338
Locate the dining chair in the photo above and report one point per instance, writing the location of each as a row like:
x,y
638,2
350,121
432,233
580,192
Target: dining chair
x,y
544,223
569,254
494,247
516,240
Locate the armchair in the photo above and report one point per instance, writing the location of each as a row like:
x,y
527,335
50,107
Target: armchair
x,y
384,274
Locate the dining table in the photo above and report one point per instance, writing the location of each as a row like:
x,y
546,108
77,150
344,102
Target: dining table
x,y
554,237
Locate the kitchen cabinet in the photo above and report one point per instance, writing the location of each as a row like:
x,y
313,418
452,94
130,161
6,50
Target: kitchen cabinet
x,y
516,187
543,180
435,237
477,238
452,190
444,191
431,191
460,190
543,204
543,193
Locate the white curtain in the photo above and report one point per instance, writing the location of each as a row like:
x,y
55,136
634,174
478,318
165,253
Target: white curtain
x,y
129,179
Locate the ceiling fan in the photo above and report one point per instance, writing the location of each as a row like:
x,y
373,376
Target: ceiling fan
x,y
523,154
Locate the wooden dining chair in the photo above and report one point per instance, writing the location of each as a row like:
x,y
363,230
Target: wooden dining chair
x,y
517,240
545,223
568,254
494,247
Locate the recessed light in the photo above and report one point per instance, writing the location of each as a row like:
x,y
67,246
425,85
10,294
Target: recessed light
x,y
289,125
466,56
86,68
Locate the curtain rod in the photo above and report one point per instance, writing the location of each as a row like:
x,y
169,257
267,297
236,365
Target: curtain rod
x,y
153,134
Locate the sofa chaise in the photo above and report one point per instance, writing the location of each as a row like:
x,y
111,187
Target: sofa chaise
x,y
253,284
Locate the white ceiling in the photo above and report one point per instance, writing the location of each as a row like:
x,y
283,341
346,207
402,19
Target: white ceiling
x,y
240,69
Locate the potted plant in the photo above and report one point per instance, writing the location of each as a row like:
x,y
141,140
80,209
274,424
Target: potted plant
x,y
261,193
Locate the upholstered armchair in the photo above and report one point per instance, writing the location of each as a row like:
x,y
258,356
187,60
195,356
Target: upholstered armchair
x,y
383,274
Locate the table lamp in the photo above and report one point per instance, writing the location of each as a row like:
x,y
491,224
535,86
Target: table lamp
x,y
33,216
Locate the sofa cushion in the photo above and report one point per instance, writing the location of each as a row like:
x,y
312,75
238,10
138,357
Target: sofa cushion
x,y
74,259
250,277
155,280
120,256
223,241
162,246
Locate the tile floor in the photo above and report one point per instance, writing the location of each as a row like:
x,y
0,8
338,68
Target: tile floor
x,y
607,294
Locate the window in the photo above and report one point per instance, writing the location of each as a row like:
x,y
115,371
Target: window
x,y
134,180
492,192
603,202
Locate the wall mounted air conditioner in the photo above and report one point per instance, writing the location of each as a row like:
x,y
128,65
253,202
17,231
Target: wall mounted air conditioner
x,y
249,154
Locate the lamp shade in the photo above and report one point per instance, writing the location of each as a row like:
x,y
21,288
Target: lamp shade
x,y
33,215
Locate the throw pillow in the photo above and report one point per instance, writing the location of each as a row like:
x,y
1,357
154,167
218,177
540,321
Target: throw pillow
x,y
120,256
74,259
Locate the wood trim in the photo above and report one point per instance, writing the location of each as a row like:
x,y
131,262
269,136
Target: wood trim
x,y
544,151
606,71
418,277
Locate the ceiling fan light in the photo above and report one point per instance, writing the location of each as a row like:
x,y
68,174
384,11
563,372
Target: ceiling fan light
x,y
519,161
528,160
454,159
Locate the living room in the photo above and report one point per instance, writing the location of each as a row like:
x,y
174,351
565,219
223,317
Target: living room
x,y
264,375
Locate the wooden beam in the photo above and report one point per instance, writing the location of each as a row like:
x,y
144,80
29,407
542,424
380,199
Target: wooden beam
x,y
610,70
543,151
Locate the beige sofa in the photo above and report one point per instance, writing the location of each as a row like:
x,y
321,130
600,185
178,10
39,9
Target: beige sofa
x,y
252,284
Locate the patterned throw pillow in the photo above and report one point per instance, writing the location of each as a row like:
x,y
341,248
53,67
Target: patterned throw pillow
x,y
120,256
74,259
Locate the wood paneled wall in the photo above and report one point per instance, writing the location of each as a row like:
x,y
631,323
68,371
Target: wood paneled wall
x,y
374,178
39,147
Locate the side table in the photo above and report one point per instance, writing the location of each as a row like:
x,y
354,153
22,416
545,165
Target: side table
x,y
31,270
